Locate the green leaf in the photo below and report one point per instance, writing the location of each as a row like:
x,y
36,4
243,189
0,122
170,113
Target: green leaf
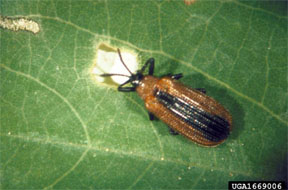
x,y
62,129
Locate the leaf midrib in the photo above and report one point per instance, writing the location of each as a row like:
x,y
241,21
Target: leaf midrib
x,y
120,153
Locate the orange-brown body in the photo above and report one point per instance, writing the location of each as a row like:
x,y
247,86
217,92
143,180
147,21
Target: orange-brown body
x,y
146,90
185,110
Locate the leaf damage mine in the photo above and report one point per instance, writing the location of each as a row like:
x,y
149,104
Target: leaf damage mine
x,y
16,24
107,60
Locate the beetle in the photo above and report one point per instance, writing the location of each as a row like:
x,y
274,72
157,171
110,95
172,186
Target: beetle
x,y
185,110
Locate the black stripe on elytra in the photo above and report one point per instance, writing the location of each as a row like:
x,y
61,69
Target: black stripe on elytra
x,y
213,127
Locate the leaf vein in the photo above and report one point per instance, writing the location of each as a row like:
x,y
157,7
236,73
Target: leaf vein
x,y
141,175
57,94
267,67
139,155
70,170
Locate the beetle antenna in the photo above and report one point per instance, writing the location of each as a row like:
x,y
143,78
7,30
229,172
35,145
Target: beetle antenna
x,y
113,74
123,61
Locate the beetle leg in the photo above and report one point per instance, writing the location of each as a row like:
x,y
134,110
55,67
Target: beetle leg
x,y
149,62
151,116
173,132
177,76
126,89
201,90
